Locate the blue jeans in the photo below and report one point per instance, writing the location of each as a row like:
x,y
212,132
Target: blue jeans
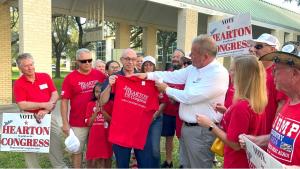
x,y
153,142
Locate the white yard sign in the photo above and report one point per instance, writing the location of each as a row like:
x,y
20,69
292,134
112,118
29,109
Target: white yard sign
x,y
232,35
21,133
258,158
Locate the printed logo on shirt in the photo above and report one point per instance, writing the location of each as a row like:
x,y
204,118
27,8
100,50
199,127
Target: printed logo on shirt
x,y
135,97
197,80
87,86
43,86
282,139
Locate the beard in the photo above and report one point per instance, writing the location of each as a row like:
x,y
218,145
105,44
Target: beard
x,y
176,67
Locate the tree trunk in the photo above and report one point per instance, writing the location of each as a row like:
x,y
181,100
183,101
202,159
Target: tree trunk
x,y
57,63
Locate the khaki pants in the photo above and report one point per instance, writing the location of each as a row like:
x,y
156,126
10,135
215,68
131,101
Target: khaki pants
x,y
55,152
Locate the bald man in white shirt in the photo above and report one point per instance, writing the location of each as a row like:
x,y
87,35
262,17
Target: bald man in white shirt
x,y
206,83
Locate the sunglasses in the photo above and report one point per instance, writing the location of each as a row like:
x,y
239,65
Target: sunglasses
x,y
86,61
260,46
188,63
289,62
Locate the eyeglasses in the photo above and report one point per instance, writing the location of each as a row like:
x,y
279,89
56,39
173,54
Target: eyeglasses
x,y
86,61
127,59
260,46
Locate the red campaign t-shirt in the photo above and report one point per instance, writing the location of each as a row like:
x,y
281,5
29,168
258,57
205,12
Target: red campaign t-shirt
x,y
135,103
239,119
229,95
284,144
38,91
98,145
274,96
78,88
172,106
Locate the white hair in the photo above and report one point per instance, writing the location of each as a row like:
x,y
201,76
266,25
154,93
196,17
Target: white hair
x,y
82,50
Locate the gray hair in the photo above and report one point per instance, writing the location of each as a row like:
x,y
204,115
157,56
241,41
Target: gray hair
x,y
126,51
23,56
82,50
99,61
207,43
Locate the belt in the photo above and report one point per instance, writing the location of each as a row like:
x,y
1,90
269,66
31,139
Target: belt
x,y
191,124
194,124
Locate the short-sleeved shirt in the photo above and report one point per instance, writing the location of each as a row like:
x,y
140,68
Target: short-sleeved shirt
x,y
78,88
38,91
284,144
274,96
135,102
98,145
239,119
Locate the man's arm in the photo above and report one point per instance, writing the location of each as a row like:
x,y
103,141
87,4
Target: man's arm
x,y
209,88
175,77
105,94
26,105
64,115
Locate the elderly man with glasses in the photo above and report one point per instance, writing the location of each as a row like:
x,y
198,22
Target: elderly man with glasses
x,y
284,138
261,46
77,88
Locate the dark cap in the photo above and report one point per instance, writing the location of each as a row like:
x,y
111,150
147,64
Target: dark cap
x,y
289,54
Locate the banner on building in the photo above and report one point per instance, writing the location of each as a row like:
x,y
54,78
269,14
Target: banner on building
x,y
258,158
20,132
232,35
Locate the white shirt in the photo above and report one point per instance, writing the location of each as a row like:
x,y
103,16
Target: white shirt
x,y
204,88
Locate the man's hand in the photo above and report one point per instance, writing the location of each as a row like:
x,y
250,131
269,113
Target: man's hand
x,y
66,128
161,86
204,121
140,75
220,108
48,105
40,115
112,79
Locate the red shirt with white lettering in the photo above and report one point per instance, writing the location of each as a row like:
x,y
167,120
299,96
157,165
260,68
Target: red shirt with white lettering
x,y
78,88
38,91
274,96
239,119
98,145
284,144
135,102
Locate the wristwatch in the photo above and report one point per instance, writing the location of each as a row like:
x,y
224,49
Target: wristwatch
x,y
211,127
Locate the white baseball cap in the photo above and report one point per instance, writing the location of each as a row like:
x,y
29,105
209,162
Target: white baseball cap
x,y
150,59
268,39
72,143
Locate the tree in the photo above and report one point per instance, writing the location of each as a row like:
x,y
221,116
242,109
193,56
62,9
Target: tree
x,y
165,40
60,38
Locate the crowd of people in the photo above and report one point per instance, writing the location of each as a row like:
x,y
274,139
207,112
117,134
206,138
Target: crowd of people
x,y
114,110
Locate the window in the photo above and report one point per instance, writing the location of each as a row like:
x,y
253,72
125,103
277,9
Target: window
x,y
101,50
169,53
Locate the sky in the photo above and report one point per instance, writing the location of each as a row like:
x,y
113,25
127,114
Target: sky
x,y
289,5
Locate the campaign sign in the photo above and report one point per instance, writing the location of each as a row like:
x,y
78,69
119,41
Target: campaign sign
x,y
258,158
232,35
20,132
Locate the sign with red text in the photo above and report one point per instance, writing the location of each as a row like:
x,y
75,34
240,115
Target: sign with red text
x,y
232,35
258,158
20,132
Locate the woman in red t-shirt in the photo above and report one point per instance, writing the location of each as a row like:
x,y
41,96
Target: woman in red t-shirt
x,y
243,116
99,150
